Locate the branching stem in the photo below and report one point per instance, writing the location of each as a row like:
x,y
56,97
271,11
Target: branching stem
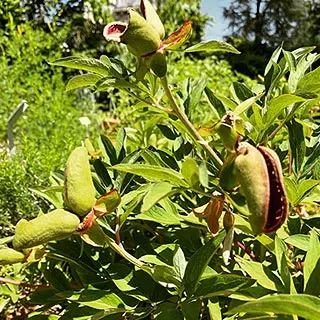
x,y
191,129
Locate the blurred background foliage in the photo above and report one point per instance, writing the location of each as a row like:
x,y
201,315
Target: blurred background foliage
x,y
35,32
257,27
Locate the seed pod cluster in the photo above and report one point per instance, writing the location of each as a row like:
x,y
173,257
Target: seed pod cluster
x,y
260,176
55,225
79,191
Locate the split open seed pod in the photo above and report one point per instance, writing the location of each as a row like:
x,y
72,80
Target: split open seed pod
x,y
260,176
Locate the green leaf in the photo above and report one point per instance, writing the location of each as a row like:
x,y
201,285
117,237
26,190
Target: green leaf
x,y
51,194
304,188
215,103
291,60
301,305
108,202
266,241
311,269
166,311
157,191
190,171
297,145
101,300
242,91
203,174
159,215
274,59
191,310
179,262
300,241
153,173
302,66
194,97
214,310
261,274
243,106
278,104
105,84
165,275
213,46
167,132
199,261
222,285
109,149
102,172
121,275
311,78
88,64
83,80
282,264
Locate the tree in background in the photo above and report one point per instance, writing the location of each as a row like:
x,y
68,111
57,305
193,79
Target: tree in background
x,y
258,26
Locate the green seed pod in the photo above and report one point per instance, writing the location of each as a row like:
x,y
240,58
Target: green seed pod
x,y
11,256
260,177
139,35
157,63
55,225
227,128
79,191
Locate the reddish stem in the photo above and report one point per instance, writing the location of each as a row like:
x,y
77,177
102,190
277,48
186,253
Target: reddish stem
x,y
23,284
117,232
248,252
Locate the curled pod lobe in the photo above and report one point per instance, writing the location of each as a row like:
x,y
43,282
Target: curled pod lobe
x,y
278,202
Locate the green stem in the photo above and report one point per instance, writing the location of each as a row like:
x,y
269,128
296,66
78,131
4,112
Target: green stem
x,y
6,240
283,122
184,119
122,252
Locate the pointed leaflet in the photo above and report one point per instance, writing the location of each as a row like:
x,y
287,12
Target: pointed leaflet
x,y
83,80
190,171
199,261
88,64
261,274
312,265
157,191
277,105
213,46
302,305
282,264
153,173
297,145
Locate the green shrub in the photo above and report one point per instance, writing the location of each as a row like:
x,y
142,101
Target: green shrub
x,y
50,126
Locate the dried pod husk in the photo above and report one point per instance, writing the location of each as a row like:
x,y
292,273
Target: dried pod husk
x,y
11,256
213,211
55,225
228,220
79,191
260,177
